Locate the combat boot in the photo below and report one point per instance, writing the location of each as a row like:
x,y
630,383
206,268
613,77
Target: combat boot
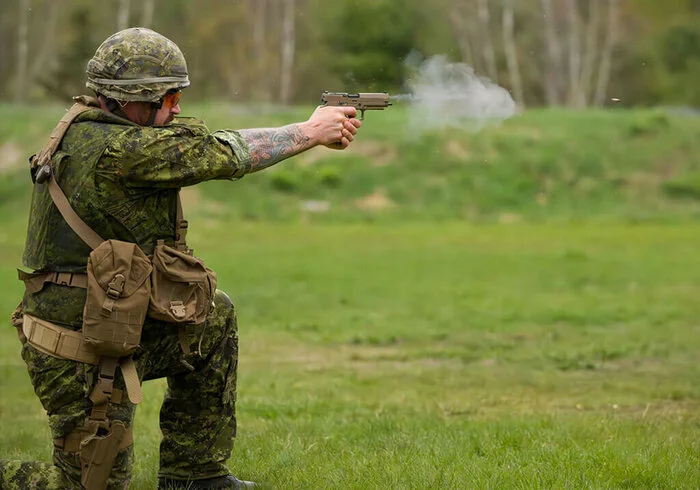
x,y
218,483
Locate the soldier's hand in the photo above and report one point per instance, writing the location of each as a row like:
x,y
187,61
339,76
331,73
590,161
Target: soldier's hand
x,y
333,127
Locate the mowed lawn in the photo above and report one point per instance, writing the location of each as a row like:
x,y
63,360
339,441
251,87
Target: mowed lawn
x,y
438,355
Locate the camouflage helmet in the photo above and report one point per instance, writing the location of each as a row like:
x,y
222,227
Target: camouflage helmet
x,y
137,64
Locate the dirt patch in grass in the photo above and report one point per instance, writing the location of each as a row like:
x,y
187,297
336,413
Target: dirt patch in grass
x,y
10,157
457,149
380,154
377,201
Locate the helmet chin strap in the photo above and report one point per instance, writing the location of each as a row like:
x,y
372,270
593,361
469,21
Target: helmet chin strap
x,y
115,108
155,107
154,110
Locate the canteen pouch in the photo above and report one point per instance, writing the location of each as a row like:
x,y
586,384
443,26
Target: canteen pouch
x,y
182,287
118,292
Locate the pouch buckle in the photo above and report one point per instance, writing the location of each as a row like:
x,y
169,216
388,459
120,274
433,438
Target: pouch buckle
x,y
116,286
178,309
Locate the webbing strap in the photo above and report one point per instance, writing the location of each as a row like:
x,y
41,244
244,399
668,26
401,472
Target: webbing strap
x,y
57,341
86,234
131,380
34,282
183,339
180,227
71,443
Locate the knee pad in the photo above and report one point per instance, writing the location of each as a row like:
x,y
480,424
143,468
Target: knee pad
x,y
220,297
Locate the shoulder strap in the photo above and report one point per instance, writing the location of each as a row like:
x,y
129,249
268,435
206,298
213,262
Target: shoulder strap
x,y
43,160
86,234
82,104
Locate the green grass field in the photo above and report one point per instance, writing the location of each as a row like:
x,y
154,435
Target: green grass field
x,y
549,343
441,356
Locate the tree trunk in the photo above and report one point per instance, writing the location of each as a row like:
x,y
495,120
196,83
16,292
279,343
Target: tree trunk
x,y
553,72
260,85
488,51
22,50
123,15
288,50
147,12
606,56
512,52
591,48
48,41
573,20
461,29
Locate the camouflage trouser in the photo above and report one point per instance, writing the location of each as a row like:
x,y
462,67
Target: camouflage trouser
x,y
197,417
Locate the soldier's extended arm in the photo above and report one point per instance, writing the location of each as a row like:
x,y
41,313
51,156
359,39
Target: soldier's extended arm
x,y
334,127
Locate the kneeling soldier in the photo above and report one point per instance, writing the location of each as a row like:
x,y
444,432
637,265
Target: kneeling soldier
x,y
114,296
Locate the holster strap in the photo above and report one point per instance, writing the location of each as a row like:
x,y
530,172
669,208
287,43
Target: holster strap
x,y
131,380
57,341
34,282
71,442
101,394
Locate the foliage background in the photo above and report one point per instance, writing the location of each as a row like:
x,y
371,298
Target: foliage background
x,y
515,308
235,47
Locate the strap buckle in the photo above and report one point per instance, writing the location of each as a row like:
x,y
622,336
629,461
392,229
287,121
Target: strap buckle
x,y
178,309
43,174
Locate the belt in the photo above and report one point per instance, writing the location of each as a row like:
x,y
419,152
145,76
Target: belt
x,y
63,343
34,281
57,341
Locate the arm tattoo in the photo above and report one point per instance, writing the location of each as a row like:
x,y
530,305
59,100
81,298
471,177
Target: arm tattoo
x,y
272,145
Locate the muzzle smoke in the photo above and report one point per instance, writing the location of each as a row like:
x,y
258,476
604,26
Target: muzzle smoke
x,y
445,94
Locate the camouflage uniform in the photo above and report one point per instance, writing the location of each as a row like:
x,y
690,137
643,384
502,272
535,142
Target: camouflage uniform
x,y
123,180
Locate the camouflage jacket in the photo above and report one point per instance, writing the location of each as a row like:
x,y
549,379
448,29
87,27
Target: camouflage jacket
x,y
122,179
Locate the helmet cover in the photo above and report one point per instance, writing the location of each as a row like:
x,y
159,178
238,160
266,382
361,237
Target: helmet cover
x,y
137,64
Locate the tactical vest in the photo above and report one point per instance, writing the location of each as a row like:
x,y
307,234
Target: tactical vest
x,y
51,243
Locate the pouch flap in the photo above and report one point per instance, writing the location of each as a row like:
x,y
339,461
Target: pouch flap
x,y
178,266
113,257
33,281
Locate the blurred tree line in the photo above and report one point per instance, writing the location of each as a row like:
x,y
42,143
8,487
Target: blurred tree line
x,y
546,52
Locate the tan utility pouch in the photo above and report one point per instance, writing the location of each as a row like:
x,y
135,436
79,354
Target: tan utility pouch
x,y
118,293
182,287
